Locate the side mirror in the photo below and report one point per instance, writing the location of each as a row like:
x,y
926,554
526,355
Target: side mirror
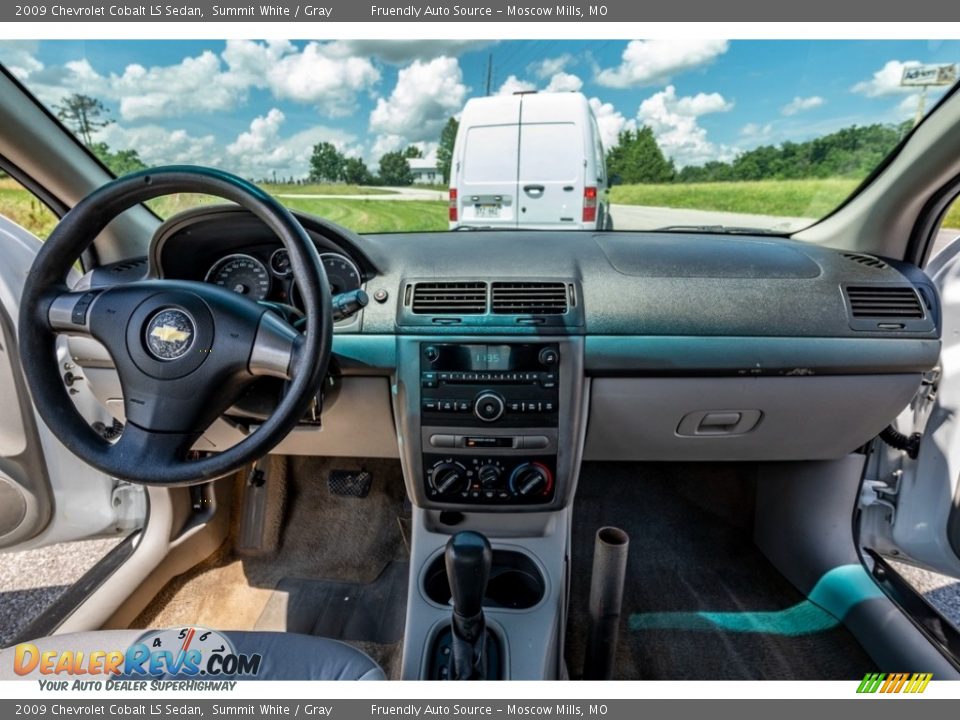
x,y
615,180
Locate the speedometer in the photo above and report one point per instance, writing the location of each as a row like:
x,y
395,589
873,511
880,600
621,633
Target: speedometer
x,y
241,273
342,274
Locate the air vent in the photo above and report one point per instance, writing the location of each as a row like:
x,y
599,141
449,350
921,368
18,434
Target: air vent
x,y
884,302
450,298
529,298
866,260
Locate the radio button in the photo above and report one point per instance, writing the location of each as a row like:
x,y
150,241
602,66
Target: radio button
x,y
513,406
443,441
463,406
428,380
446,405
534,442
430,405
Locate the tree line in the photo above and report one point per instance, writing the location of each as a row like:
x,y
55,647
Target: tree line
x,y
850,152
635,158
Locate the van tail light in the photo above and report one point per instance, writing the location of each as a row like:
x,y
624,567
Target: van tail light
x,y
589,204
452,212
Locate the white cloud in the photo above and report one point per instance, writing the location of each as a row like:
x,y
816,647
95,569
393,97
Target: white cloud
x,y
610,122
802,104
311,76
886,80
162,146
564,82
195,84
513,84
652,62
548,67
19,57
426,95
674,124
262,151
756,132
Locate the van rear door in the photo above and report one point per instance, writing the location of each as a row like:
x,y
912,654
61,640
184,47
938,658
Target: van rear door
x,y
551,173
487,175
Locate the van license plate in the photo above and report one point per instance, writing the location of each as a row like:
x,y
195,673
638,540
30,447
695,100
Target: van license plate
x,y
487,211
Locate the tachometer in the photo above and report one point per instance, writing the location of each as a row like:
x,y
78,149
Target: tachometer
x,y
241,273
342,273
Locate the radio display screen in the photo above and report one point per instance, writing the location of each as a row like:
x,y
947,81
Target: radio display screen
x,y
480,358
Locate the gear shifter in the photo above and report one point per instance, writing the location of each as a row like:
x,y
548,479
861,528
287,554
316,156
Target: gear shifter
x,y
468,558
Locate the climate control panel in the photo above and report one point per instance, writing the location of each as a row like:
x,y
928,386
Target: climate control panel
x,y
489,480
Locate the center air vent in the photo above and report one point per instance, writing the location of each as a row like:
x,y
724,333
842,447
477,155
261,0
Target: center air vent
x,y
886,302
866,260
449,298
529,298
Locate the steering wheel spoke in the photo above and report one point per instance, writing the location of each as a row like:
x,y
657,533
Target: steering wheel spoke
x,y
275,348
69,312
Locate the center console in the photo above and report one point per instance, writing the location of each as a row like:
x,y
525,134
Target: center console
x,y
491,431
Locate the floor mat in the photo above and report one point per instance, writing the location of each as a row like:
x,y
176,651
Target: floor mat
x,y
326,537
369,612
701,601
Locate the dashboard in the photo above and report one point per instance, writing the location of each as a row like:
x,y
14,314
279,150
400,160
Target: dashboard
x,y
492,363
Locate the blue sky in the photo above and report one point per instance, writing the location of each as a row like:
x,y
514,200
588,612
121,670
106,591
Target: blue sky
x,y
258,107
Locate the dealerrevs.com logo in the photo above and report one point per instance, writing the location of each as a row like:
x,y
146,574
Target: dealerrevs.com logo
x,y
177,654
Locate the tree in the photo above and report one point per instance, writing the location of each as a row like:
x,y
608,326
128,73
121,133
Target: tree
x,y
355,172
445,149
637,158
412,151
84,115
326,163
395,170
120,162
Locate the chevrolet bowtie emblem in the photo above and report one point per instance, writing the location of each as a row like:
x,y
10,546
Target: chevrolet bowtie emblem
x,y
168,333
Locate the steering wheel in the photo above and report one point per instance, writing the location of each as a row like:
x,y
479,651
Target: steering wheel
x,y
184,351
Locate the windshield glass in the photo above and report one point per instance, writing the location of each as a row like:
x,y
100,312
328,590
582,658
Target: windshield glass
x,y
430,135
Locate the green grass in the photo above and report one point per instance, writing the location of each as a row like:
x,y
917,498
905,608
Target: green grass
x,y
323,189
794,198
797,198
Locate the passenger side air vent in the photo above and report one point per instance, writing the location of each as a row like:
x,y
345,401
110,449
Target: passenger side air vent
x,y
866,260
883,302
529,298
449,298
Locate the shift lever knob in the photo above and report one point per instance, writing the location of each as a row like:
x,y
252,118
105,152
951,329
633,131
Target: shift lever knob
x,y
468,558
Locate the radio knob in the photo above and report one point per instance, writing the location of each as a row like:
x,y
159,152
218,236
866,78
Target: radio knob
x,y
488,406
488,475
449,477
531,479
548,356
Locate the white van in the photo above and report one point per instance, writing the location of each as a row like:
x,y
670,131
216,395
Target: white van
x,y
530,160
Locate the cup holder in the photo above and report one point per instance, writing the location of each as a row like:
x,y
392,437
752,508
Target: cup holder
x,y
515,582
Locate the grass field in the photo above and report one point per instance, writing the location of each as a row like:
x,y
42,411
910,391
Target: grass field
x,y
324,189
793,198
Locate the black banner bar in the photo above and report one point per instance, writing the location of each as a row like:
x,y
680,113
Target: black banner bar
x,y
616,11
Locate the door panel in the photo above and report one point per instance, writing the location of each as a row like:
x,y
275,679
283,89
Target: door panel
x,y
550,187
488,186
47,496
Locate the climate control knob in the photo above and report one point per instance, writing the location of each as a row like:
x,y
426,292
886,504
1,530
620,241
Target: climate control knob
x,y
488,406
488,475
447,478
531,479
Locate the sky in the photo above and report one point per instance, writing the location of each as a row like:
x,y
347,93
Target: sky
x,y
257,108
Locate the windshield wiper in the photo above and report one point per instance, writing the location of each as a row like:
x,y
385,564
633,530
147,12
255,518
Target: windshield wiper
x,y
722,229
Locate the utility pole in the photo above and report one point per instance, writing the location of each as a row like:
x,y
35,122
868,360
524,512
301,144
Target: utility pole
x,y
489,72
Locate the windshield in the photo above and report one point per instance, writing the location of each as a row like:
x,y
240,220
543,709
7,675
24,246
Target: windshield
x,y
430,135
